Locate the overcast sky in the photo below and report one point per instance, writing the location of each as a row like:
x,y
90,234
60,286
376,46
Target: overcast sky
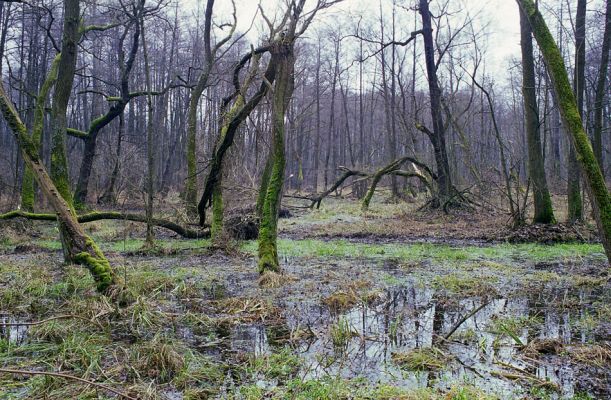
x,y
503,41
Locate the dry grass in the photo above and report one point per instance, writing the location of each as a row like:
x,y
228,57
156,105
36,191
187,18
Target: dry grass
x,y
271,279
596,355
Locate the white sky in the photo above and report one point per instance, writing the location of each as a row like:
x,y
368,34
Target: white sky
x,y
503,41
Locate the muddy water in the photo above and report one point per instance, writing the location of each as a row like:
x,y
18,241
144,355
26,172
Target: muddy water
x,y
13,334
485,349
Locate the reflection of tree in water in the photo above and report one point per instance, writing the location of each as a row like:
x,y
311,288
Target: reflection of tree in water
x,y
413,316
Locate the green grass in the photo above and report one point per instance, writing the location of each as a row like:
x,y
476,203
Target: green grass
x,y
439,253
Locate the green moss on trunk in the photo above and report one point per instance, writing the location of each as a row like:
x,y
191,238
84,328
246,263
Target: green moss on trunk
x,y
216,228
370,192
28,182
97,264
282,54
599,194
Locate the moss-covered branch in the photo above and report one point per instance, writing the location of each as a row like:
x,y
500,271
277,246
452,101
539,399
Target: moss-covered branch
x,y
102,215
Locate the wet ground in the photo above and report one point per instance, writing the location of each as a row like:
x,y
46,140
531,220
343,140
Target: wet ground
x,y
421,319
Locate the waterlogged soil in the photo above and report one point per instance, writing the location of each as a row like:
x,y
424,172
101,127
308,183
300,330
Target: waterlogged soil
x,y
396,309
356,318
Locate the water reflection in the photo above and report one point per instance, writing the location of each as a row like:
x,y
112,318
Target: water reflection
x,y
13,334
413,316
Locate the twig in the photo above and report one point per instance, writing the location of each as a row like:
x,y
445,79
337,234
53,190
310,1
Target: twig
x,y
463,319
65,376
67,316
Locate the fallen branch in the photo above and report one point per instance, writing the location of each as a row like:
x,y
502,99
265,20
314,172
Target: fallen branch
x,y
65,376
97,216
463,319
317,199
393,168
33,323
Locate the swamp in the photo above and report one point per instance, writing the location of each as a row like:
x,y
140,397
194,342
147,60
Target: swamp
x,y
305,199
355,315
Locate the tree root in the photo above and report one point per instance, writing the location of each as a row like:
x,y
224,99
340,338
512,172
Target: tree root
x,y
97,216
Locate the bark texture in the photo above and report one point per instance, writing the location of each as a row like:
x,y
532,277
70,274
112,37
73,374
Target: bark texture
x,y
78,247
599,194
63,87
437,136
602,89
282,56
544,212
575,203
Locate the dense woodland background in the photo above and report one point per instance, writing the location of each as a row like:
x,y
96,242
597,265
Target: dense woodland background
x,y
344,112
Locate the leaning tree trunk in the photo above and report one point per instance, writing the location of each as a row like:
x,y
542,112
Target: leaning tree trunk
x,y
536,170
437,136
599,194
78,247
601,89
575,203
282,55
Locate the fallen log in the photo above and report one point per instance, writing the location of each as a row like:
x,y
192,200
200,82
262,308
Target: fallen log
x,y
102,215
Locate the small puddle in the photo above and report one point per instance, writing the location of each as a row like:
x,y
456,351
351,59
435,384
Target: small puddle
x,y
483,350
13,334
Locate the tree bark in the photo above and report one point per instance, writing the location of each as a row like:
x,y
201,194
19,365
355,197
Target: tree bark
x,y
601,90
599,194
119,103
282,56
544,212
27,185
63,87
78,247
438,134
575,204
196,94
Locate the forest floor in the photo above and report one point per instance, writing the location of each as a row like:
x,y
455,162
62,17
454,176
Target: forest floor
x,y
393,304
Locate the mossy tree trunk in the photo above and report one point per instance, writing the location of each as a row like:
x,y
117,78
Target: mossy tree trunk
x,y
66,70
575,203
27,186
267,171
544,212
78,247
599,194
216,228
238,116
196,94
283,57
602,89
